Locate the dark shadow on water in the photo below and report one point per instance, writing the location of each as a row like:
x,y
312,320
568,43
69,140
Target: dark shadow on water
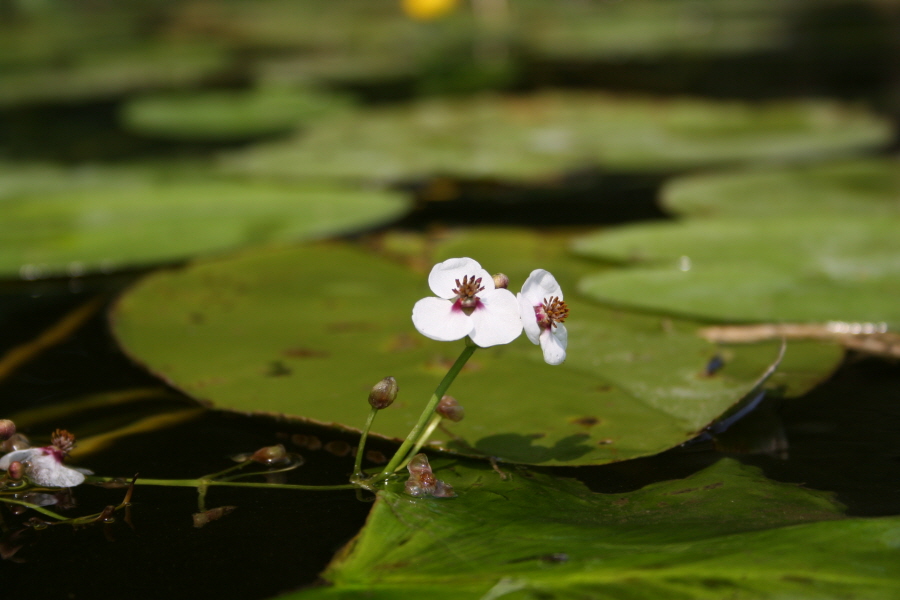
x,y
840,437
586,197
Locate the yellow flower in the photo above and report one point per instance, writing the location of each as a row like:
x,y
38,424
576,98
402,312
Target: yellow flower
x,y
426,10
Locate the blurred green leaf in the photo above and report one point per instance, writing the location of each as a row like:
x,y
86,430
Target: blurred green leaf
x,y
543,135
228,115
852,188
104,74
652,28
57,221
793,269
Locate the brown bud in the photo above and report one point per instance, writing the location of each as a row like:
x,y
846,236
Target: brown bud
x,y
383,393
15,470
422,481
7,429
270,455
501,281
449,408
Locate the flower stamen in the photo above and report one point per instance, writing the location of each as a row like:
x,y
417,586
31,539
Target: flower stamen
x,y
551,312
466,292
63,441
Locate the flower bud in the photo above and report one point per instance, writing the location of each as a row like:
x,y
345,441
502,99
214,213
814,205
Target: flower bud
x,y
383,393
7,429
449,408
270,455
422,481
15,470
501,281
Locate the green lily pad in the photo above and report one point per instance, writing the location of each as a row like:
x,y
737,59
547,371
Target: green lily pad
x,y
113,73
852,188
652,28
56,221
305,332
226,115
793,269
545,134
725,531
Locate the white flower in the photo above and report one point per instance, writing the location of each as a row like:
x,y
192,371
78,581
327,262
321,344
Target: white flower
x,y
467,304
44,466
543,312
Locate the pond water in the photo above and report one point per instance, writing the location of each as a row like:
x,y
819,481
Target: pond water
x,y
840,437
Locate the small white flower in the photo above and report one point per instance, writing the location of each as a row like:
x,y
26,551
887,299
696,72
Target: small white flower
x,y
44,466
543,312
467,304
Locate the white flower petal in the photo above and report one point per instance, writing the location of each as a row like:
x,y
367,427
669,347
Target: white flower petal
x,y
529,319
540,286
497,321
443,276
43,469
554,343
18,455
437,319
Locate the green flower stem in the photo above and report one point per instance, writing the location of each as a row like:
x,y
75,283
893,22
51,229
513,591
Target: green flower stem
x,y
240,465
432,425
35,507
416,432
254,473
357,466
202,483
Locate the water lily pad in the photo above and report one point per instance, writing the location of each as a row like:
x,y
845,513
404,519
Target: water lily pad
x,y
306,332
652,28
227,115
725,531
542,135
108,74
869,186
795,269
56,221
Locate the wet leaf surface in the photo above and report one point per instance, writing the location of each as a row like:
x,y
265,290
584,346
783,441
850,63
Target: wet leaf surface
x,y
725,530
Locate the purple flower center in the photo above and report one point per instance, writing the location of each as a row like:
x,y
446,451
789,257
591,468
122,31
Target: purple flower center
x,y
551,312
467,294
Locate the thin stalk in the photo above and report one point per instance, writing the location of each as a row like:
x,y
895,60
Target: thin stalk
x,y
35,507
357,466
197,483
416,432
